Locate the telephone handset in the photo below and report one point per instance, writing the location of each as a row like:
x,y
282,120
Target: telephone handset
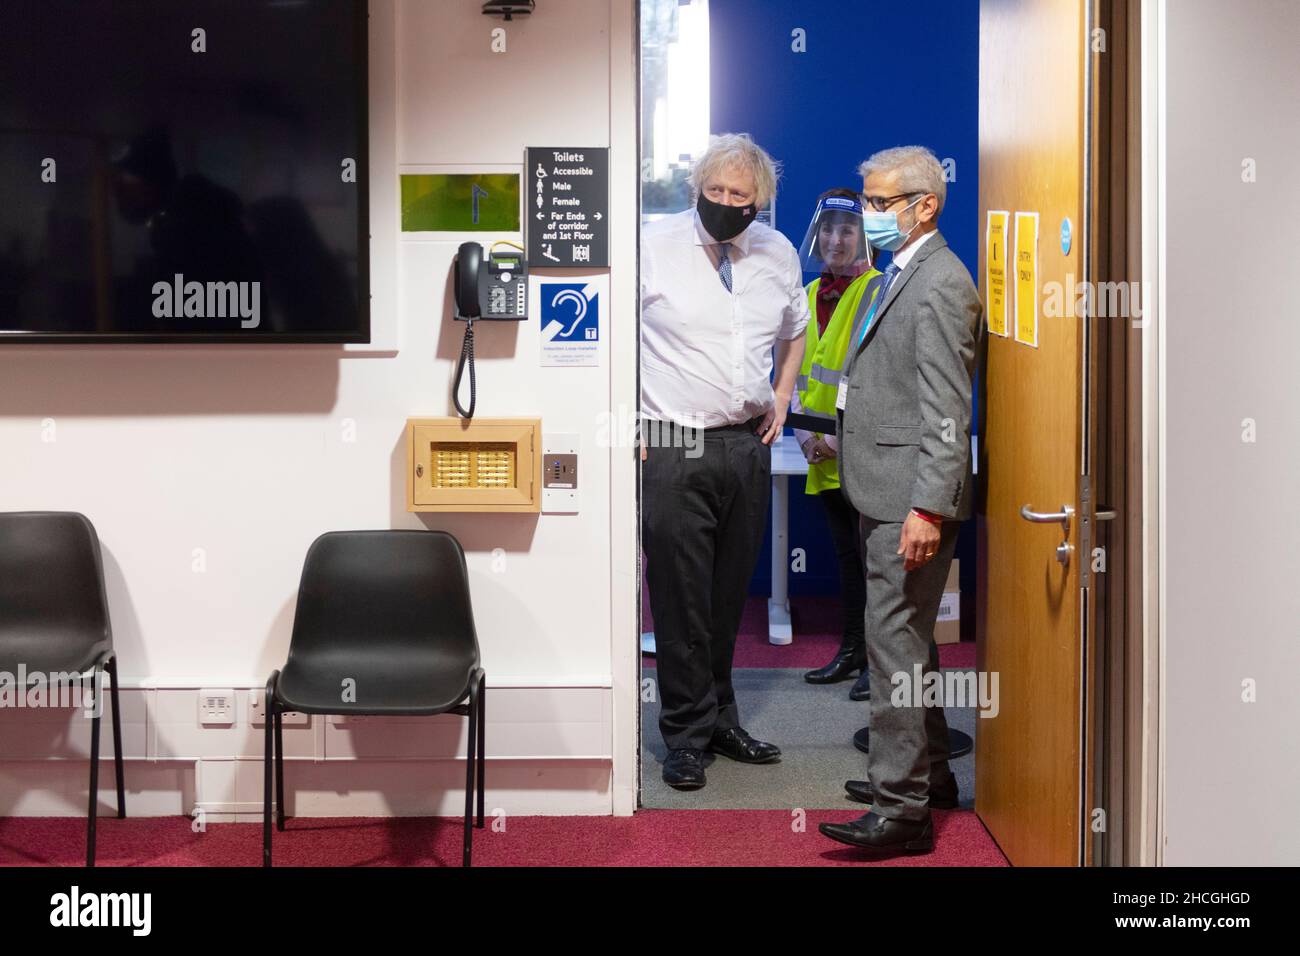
x,y
469,266
497,290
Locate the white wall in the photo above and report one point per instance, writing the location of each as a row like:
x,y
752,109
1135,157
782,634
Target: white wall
x,y
242,452
1231,588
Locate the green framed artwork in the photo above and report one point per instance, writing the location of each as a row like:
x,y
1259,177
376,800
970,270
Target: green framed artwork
x,y
460,202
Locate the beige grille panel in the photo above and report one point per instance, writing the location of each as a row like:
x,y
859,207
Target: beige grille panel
x,y
473,464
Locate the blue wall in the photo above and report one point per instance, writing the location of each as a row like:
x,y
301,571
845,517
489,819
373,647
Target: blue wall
x,y
824,111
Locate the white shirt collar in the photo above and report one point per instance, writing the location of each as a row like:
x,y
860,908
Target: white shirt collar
x,y
904,256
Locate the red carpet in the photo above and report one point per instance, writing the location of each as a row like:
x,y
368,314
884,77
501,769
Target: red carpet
x,y
816,636
651,838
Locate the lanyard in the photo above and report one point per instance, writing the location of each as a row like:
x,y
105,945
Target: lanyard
x,y
871,315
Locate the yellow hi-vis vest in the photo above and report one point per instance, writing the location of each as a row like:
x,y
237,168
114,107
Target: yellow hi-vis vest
x,y
823,357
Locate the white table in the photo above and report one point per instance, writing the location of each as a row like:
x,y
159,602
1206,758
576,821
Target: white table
x,y
787,460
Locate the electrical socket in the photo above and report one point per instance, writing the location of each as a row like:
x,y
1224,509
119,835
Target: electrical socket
x,y
257,712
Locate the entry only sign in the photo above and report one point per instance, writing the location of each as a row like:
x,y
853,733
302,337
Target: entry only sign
x,y
566,206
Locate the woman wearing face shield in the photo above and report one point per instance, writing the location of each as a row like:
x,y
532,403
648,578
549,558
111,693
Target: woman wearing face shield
x,y
835,248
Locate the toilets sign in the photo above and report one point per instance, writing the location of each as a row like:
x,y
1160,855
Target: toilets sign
x,y
566,205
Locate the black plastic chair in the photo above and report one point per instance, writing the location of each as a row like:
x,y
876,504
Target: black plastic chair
x,y
384,626
54,619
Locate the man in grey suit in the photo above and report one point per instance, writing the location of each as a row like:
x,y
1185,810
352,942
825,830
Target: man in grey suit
x,y
904,438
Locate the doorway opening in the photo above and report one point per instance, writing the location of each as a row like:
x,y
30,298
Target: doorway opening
x,y
741,77
1022,580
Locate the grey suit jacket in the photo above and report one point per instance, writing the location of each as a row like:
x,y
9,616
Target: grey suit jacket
x,y
904,434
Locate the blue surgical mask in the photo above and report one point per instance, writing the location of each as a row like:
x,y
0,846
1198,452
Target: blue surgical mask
x,y
882,228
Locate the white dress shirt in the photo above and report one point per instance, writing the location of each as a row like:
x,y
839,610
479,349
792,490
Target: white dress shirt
x,y
706,353
903,256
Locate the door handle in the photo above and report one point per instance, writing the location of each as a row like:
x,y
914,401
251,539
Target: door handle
x,y
1049,517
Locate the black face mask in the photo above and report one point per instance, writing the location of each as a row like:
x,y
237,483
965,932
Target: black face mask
x,y
722,222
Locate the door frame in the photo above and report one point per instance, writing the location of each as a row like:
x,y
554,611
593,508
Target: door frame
x,y
1148,841
1125,672
1132,741
625,390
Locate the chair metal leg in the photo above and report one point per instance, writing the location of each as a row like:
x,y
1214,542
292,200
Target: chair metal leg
x,y
279,771
111,667
482,743
94,772
267,756
469,774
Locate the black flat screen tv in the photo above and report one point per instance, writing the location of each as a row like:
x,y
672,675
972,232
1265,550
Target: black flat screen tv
x,y
183,171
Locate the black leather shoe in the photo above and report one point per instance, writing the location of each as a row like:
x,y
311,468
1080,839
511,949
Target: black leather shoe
x,y
941,798
861,689
738,745
684,769
959,744
850,658
871,832
862,739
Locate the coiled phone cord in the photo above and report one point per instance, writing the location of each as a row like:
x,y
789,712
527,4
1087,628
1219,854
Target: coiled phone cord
x,y
466,355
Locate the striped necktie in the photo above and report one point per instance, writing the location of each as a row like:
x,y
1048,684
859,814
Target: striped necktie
x,y
724,265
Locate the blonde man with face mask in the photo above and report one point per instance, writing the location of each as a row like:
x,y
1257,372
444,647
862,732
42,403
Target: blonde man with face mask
x,y
722,308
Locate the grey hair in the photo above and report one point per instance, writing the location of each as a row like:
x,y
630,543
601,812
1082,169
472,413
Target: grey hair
x,y
919,170
738,149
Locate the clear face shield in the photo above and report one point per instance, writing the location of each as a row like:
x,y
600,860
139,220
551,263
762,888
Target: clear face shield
x,y
836,241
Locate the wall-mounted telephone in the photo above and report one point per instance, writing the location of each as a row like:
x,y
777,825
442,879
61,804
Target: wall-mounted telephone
x,y
495,290
499,291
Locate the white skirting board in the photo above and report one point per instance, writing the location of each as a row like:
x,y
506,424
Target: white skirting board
x,y
548,752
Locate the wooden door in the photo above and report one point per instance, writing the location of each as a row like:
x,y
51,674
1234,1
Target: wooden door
x,y
1029,768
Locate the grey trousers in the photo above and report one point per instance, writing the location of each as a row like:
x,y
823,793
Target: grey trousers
x,y
909,744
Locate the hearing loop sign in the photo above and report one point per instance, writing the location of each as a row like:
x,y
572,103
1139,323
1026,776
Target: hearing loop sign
x,y
571,318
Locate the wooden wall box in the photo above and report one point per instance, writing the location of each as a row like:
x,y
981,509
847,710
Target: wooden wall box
x,y
483,464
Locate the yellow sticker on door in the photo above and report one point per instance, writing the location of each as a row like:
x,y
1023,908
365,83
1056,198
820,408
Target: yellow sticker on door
x,y
1027,278
995,277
